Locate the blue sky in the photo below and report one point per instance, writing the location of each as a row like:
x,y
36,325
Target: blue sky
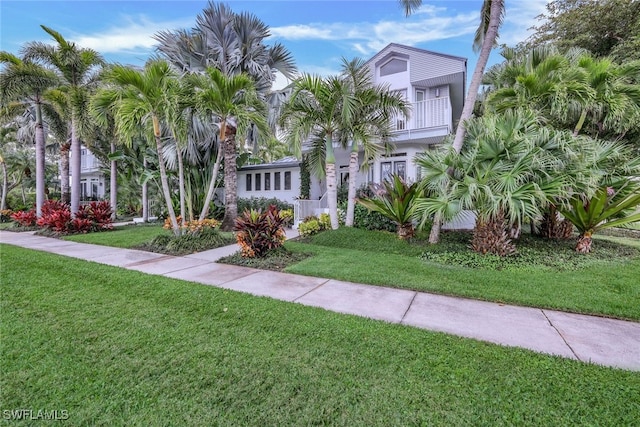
x,y
318,33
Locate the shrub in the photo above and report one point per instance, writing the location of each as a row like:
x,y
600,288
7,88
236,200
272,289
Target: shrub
x,y
324,220
258,232
309,227
25,218
194,227
287,217
261,204
56,217
95,216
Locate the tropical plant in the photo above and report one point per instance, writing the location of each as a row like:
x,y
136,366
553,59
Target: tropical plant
x,y
396,202
259,232
139,99
234,44
78,70
491,17
25,81
609,207
235,104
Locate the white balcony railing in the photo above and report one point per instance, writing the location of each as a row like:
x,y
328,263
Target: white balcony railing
x,y
425,114
305,208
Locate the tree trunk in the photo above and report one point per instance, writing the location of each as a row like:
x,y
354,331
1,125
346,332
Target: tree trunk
x,y
230,180
584,242
434,235
65,194
113,185
212,185
40,162
76,160
145,196
183,210
351,198
5,187
406,231
164,179
490,236
332,185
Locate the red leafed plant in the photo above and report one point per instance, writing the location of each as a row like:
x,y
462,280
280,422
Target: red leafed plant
x,y
25,218
258,232
95,216
56,216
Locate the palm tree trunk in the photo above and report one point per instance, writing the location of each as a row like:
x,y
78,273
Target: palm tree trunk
x,y
145,196
351,195
183,209
434,235
163,178
230,180
584,242
40,162
65,195
113,184
212,185
5,187
75,168
332,186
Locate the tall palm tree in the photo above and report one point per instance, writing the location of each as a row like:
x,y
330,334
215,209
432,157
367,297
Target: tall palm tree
x,y
7,136
77,67
139,98
25,81
321,107
370,127
491,17
234,103
234,44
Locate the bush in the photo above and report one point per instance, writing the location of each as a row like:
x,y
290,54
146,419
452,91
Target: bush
x,y
56,217
207,238
309,227
25,218
5,215
258,232
287,217
262,204
194,227
370,220
95,216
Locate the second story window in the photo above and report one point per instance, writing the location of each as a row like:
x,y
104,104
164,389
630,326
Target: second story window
x,y
393,66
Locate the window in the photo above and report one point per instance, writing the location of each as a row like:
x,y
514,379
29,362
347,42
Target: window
x,y
400,169
248,182
258,182
385,171
287,180
267,181
276,181
394,66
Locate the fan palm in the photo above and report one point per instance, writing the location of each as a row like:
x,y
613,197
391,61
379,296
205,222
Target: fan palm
x,y
25,81
77,68
139,99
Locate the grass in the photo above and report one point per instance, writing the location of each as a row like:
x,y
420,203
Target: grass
x,y
127,236
604,285
117,347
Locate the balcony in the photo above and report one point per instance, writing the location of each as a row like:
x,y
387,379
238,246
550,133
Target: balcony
x,y
431,117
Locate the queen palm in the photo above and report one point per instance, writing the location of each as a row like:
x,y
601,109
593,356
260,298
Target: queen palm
x,y
235,105
76,67
234,44
26,82
139,99
370,127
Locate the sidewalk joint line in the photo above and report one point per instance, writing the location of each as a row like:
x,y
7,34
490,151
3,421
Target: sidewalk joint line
x,y
415,294
561,336
311,290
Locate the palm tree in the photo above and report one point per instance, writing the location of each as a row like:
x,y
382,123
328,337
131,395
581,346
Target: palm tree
x,y
235,104
320,107
139,98
7,136
77,69
234,44
25,81
370,127
491,17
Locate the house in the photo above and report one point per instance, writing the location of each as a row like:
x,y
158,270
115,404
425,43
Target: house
x,y
433,83
92,179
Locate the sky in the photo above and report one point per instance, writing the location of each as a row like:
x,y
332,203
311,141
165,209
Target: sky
x,y
318,33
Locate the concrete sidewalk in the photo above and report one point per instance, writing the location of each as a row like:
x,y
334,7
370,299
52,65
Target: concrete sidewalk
x,y
590,339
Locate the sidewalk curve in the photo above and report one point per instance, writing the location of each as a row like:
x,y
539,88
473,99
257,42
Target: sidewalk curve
x,y
590,339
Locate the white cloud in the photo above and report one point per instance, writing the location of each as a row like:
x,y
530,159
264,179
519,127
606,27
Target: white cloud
x,y
134,35
520,17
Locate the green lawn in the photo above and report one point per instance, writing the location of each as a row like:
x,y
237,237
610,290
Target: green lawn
x,y
117,347
127,236
608,287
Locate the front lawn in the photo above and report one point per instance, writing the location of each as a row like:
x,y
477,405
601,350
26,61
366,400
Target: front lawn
x,y
118,347
127,236
603,283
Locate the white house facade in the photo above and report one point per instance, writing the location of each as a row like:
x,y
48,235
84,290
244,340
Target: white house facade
x,y
92,179
433,84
